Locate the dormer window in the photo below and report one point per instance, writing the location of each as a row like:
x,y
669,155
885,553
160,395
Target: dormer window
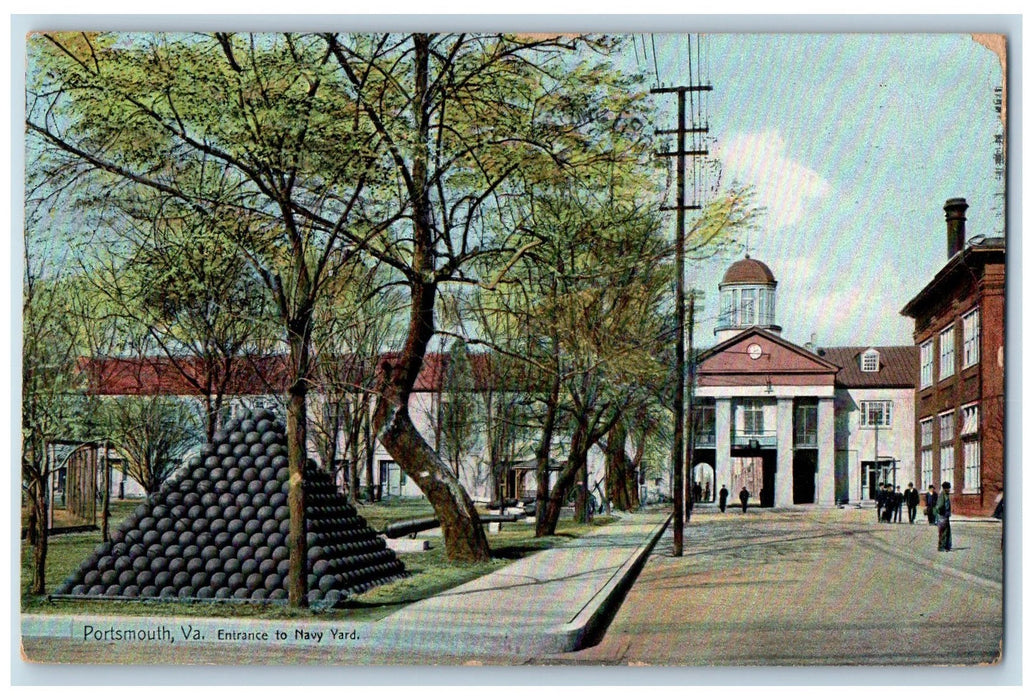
x,y
870,361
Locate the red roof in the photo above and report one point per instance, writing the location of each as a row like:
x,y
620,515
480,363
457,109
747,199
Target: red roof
x,y
898,367
249,375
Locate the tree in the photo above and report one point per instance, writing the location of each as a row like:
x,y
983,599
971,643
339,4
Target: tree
x,y
459,424
256,134
152,433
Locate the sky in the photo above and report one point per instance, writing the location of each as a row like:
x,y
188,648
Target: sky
x,y
852,144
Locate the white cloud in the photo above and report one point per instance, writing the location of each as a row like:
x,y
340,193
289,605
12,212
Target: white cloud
x,y
784,187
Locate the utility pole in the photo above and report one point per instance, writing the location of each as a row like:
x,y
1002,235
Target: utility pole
x,y
680,207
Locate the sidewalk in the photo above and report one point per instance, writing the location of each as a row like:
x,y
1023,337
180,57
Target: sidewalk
x,y
554,601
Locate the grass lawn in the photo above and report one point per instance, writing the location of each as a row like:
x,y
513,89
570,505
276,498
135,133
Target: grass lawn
x,y
430,572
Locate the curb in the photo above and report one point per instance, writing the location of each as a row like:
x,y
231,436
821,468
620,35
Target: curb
x,y
593,619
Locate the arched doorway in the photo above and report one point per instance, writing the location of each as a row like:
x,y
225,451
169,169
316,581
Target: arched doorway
x,y
705,475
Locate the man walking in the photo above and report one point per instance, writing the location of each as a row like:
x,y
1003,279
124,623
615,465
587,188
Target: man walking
x,y
898,505
722,498
911,498
880,501
744,497
943,518
930,504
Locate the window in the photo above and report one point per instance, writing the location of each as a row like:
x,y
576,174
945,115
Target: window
x,y
970,419
970,338
727,308
947,427
947,352
749,305
946,445
927,466
870,361
973,475
926,428
927,364
753,417
876,414
806,425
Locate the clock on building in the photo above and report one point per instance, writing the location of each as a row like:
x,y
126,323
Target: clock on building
x,y
754,351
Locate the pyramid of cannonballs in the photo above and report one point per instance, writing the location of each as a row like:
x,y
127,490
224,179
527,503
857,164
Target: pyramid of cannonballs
x,y
218,531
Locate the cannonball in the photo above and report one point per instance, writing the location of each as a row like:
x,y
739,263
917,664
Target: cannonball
x,y
231,566
151,537
252,438
195,511
149,592
259,500
198,474
108,577
159,564
263,552
259,595
278,594
176,565
248,567
240,539
262,424
140,564
221,539
321,567
277,499
212,461
311,538
79,589
186,538
91,578
314,596
270,527
186,485
247,425
275,539
191,499
96,589
204,487
131,591
285,527
249,474
282,512
194,565
185,592
237,488
198,579
203,539
262,462
332,597
267,566
275,450
173,551
272,581
218,579
169,536
255,486
247,513
147,523
224,450
162,579
256,540
245,552
223,593
113,590
226,499
279,461
241,594
272,487
269,437
283,566
257,450
144,577
234,526
228,464
205,592
231,512
105,562
200,525
235,580
215,474
233,474
241,449
212,511
219,436
117,536
180,579
180,526
252,526
212,565
236,437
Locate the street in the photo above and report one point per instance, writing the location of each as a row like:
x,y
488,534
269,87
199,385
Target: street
x,y
810,587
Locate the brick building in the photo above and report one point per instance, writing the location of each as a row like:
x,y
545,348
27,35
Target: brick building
x,y
959,397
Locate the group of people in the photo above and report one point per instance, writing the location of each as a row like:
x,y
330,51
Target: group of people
x,y
890,502
722,498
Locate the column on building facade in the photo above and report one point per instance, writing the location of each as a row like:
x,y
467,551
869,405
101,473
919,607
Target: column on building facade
x,y
784,440
723,445
826,481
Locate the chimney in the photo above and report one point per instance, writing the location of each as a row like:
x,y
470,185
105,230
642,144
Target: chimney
x,y
955,209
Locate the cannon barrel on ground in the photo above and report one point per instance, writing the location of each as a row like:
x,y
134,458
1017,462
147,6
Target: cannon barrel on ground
x,y
401,528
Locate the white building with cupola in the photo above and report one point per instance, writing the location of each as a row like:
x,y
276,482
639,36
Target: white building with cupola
x,y
797,424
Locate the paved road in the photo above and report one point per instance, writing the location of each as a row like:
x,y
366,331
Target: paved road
x,y
822,586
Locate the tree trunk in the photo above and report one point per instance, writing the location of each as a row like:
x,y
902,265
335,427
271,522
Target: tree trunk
x,y
299,333
619,472
367,431
576,460
461,529
38,493
105,511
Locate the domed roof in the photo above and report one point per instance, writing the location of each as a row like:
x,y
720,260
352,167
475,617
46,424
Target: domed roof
x,y
748,271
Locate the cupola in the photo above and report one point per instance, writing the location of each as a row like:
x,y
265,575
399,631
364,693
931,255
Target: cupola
x,y
747,299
